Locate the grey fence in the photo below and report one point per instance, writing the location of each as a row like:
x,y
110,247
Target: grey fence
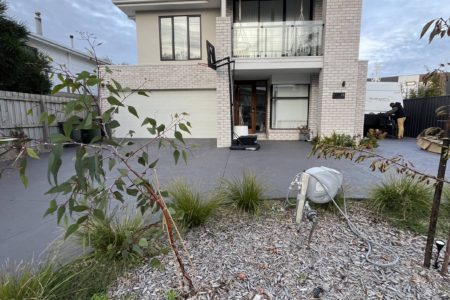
x,y
15,116
421,114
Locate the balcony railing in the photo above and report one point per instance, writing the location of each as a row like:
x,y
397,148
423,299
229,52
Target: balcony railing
x,y
277,39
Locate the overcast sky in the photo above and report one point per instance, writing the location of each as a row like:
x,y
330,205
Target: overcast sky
x,y
389,36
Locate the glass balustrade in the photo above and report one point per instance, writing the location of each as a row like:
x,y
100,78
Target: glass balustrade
x,y
277,39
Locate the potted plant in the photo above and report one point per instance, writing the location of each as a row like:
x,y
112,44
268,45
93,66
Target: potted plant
x,y
304,133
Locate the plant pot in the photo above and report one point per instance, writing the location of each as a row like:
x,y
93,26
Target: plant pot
x,y
240,130
304,136
88,134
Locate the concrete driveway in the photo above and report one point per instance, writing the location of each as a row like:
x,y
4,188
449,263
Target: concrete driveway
x,y
25,234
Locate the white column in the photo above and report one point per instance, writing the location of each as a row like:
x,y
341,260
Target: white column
x,y
223,8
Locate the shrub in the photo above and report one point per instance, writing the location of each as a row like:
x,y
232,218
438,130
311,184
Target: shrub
x,y
403,200
336,139
376,133
171,295
246,194
121,238
24,282
369,142
191,208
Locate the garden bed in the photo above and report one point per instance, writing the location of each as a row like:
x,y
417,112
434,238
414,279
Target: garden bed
x,y
238,256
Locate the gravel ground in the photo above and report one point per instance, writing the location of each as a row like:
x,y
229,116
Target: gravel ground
x,y
237,256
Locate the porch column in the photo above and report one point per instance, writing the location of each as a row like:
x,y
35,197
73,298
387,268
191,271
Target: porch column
x,y
223,49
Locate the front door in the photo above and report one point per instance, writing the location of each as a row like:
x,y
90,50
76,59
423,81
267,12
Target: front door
x,y
250,105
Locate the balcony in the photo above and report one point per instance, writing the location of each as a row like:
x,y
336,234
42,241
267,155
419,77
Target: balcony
x,y
277,39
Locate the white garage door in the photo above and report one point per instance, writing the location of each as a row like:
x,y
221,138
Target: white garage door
x,y
200,104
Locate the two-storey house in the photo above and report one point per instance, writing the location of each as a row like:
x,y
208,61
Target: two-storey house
x,y
296,64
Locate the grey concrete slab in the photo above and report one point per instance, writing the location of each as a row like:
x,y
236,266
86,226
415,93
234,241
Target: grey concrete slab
x,y
24,233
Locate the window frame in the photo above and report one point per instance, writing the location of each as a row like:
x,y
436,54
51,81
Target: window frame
x,y
311,11
308,98
173,37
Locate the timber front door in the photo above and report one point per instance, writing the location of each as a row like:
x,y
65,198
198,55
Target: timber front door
x,y
250,105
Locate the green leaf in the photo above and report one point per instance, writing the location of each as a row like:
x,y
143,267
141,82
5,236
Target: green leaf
x,y
111,163
142,93
133,111
161,128
118,86
80,208
114,124
87,122
132,192
176,155
179,136
82,219
58,88
30,111
153,164
65,188
184,155
98,213
60,213
112,90
151,130
114,101
118,196
58,138
68,125
22,169
43,117
143,243
71,229
83,75
184,127
52,208
31,153
51,118
123,172
54,163
149,121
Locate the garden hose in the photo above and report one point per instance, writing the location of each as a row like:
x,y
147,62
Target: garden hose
x,y
369,242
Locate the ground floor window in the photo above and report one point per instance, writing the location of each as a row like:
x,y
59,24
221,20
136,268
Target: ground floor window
x,y
289,106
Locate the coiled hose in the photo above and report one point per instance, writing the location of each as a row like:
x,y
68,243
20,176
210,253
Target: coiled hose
x,y
369,242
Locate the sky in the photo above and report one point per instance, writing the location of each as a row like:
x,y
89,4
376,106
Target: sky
x,y
389,32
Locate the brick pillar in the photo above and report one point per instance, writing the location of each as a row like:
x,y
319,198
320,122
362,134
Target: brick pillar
x,y
223,49
342,20
314,99
361,96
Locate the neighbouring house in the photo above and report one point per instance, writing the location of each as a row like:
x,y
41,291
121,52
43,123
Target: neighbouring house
x,y
296,64
410,83
74,60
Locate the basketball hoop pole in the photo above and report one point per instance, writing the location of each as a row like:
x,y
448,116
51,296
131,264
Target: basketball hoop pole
x,y
214,64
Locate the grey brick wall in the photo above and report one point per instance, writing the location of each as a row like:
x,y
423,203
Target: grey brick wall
x,y
223,49
163,77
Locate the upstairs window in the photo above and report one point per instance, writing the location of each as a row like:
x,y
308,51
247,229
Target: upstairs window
x,y
272,10
180,37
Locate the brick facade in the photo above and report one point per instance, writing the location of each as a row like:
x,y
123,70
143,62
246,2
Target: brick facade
x,y
341,68
163,77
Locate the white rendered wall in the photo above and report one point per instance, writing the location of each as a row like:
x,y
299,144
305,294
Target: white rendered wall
x,y
161,105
